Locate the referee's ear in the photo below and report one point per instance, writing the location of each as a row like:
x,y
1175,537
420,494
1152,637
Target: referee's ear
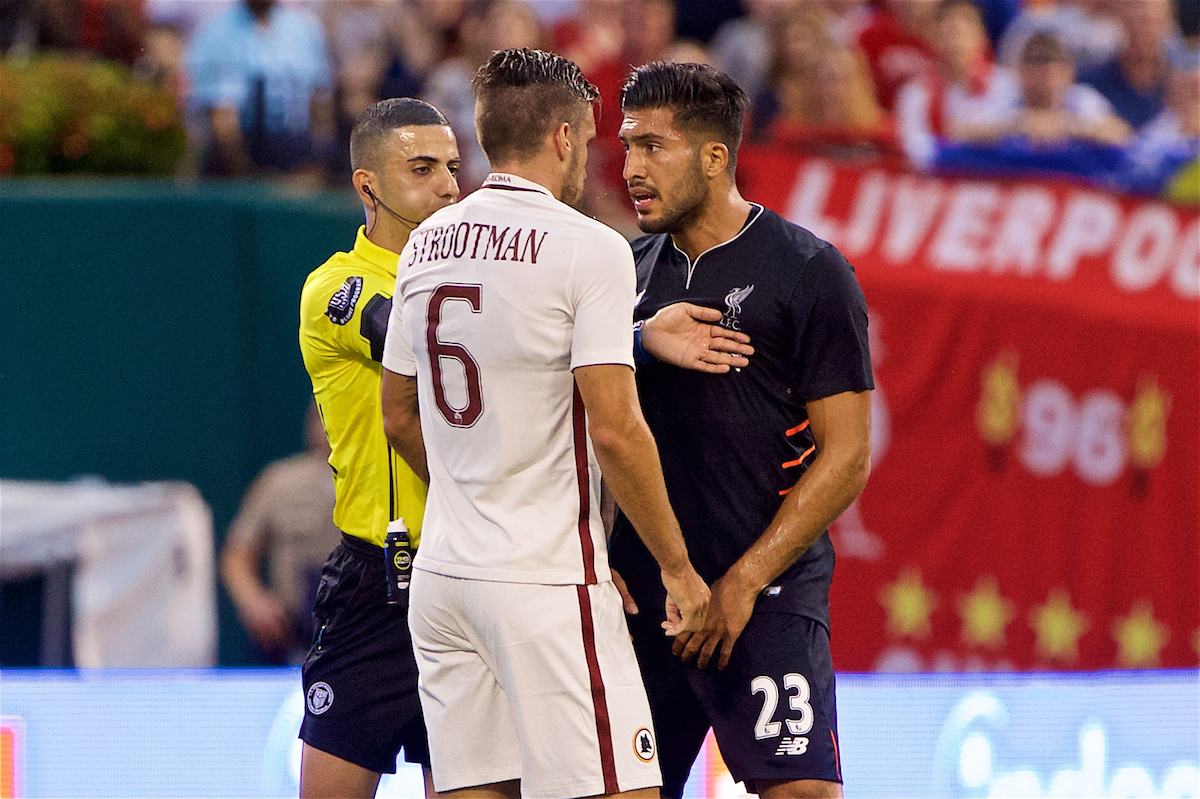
x,y
362,184
714,159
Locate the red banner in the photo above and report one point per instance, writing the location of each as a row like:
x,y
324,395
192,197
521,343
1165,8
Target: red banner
x,y
1034,501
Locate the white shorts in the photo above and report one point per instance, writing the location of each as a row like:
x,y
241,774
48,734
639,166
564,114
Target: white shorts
x,y
531,682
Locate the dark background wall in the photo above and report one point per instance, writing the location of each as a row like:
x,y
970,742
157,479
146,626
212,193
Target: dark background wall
x,y
149,333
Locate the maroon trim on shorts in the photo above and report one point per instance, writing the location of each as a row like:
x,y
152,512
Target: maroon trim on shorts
x,y
582,478
608,760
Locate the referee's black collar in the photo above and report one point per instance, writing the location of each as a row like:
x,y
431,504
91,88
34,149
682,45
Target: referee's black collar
x,y
507,181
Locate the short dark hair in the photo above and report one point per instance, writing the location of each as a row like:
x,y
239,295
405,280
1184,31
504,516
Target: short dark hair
x,y
372,126
1044,48
523,94
703,99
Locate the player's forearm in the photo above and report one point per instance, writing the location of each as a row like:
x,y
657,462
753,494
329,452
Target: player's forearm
x,y
633,472
402,421
820,495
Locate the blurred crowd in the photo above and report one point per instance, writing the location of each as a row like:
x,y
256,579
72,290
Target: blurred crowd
x,y
1106,90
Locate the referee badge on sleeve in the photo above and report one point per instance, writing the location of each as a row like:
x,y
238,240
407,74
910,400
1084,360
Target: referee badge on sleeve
x,y
341,304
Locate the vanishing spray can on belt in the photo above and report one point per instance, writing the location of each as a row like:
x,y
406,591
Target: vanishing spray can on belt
x,y
398,557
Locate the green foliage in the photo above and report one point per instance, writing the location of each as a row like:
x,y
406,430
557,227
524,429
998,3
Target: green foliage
x,y
74,116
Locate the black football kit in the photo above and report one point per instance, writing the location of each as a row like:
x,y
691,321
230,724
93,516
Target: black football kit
x,y
732,446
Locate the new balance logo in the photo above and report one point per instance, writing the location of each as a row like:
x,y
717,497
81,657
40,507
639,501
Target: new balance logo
x,y
792,746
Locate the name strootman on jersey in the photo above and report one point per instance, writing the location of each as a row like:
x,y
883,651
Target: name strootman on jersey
x,y
478,241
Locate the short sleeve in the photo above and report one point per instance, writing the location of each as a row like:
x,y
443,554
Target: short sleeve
x,y
398,356
602,296
830,314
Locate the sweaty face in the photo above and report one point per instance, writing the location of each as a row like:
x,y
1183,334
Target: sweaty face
x,y
662,171
418,173
572,191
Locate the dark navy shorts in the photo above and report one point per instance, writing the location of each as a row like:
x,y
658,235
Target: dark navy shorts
x,y
772,709
360,677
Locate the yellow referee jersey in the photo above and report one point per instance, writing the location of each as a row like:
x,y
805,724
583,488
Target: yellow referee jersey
x,y
344,311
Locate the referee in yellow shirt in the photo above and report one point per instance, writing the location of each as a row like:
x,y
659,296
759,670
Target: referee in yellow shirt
x,y
360,678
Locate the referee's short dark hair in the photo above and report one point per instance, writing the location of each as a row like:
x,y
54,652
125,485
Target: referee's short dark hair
x,y
522,95
372,126
704,100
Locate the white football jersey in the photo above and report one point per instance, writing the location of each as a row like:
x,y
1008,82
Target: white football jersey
x,y
498,299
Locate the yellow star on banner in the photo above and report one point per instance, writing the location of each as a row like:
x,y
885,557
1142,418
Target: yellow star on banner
x,y
985,614
1139,637
1059,627
909,604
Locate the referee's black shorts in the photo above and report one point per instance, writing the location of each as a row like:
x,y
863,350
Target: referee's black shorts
x,y
360,677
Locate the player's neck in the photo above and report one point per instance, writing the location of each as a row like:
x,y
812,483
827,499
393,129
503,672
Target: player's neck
x,y
721,220
539,171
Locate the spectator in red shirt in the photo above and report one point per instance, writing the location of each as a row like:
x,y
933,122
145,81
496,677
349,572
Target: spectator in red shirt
x,y
821,95
896,43
965,84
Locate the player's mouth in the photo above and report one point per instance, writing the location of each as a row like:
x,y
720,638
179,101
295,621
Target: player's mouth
x,y
641,198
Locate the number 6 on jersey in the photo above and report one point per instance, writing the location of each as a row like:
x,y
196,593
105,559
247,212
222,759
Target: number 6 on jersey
x,y
473,296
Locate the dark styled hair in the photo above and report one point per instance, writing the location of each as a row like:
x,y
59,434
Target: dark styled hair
x,y
522,95
704,100
372,126
1044,48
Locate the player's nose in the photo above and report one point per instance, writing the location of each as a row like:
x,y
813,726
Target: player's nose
x,y
633,169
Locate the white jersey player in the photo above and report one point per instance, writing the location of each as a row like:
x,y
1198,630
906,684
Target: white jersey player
x,y
512,315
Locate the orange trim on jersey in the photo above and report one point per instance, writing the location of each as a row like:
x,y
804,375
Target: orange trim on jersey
x,y
837,758
798,428
799,460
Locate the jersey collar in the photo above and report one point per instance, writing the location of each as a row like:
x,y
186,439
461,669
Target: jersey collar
x,y
510,182
372,253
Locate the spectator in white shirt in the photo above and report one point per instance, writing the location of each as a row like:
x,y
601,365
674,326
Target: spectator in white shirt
x,y
1050,107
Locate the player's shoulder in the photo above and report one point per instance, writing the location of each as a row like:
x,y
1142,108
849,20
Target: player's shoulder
x,y
595,231
797,245
341,280
593,239
788,236
649,247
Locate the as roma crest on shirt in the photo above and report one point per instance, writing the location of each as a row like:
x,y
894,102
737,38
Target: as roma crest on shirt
x,y
341,304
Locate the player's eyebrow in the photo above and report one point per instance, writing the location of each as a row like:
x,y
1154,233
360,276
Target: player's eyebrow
x,y
640,138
